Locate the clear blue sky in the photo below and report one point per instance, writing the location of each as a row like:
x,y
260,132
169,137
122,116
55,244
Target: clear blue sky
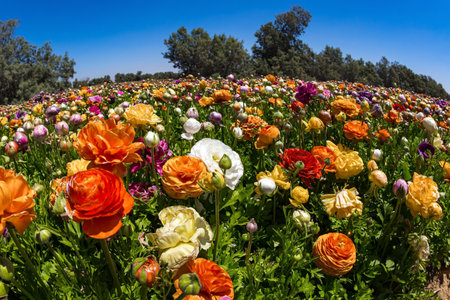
x,y
106,37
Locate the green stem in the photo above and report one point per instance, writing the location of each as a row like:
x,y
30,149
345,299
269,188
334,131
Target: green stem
x,y
247,258
143,291
111,265
155,178
22,289
216,234
274,210
181,297
27,259
60,263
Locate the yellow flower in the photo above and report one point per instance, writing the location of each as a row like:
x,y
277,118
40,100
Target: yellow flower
x,y
184,233
445,168
372,165
141,115
299,196
315,124
422,193
76,166
37,109
277,175
378,178
348,163
343,203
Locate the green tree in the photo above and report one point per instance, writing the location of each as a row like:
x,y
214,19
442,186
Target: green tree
x,y
26,69
329,64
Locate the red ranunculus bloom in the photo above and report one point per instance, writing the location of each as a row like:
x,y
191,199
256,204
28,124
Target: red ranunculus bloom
x,y
312,167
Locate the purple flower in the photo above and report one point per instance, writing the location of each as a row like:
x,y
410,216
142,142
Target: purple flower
x,y
400,188
426,150
305,92
366,94
377,111
142,191
19,114
162,154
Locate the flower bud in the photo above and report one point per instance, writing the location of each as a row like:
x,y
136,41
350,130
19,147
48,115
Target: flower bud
x,y
372,165
325,116
242,117
75,120
6,269
65,145
43,236
251,225
3,290
225,162
28,126
151,139
341,117
430,125
61,128
177,110
278,115
21,139
119,110
37,187
376,154
287,126
301,218
208,126
160,128
40,132
215,117
379,178
192,113
299,166
189,284
237,132
11,149
218,180
145,270
267,186
400,188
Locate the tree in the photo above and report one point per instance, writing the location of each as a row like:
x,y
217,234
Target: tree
x,y
26,69
197,53
329,64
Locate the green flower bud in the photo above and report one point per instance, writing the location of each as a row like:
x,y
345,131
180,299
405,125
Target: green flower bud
x,y
151,139
6,269
58,206
246,236
218,180
299,165
225,162
3,290
145,270
127,230
189,284
43,236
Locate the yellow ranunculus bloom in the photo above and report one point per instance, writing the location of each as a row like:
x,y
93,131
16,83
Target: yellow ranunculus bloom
x,y
37,109
184,233
141,115
315,124
76,166
299,196
348,163
277,175
422,193
343,203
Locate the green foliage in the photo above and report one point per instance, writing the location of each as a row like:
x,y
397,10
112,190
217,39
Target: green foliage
x,y
26,69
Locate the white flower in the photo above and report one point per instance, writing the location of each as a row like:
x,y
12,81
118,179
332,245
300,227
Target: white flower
x,y
376,155
191,126
210,151
237,132
269,89
151,139
430,125
267,186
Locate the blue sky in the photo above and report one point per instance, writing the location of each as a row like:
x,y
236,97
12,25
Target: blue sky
x,y
106,37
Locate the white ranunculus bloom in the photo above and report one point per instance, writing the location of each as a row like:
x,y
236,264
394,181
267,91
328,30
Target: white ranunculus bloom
x,y
210,151
267,186
430,125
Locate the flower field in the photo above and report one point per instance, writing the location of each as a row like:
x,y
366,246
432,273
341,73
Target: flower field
x,y
226,188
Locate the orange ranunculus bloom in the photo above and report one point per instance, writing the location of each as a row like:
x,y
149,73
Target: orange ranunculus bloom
x,y
58,187
270,78
383,135
108,145
277,101
97,198
206,101
251,127
254,111
141,115
321,153
215,281
356,130
222,96
16,201
346,106
336,253
180,177
393,117
266,136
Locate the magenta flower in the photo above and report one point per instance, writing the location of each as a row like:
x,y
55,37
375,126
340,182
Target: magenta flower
x,y
305,92
162,154
142,190
94,109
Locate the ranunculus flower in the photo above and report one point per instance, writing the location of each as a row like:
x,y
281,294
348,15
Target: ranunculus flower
x,y
342,203
266,136
305,92
348,163
141,115
215,281
314,124
299,196
277,175
16,201
210,151
161,153
383,135
142,190
97,198
251,127
108,145
76,166
180,177
321,153
222,96
312,168
422,193
336,253
346,106
356,130
183,234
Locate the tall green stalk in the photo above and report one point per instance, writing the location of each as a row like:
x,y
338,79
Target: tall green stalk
x,y
111,265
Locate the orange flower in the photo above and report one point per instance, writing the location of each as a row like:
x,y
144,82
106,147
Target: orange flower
x,y
277,101
251,127
336,253
16,201
108,145
15,123
97,198
58,186
393,117
383,135
321,153
206,101
270,78
180,177
356,130
215,281
346,106
222,96
266,136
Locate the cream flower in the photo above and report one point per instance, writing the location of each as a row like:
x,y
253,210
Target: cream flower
x,y
342,203
184,233
210,151
277,176
141,114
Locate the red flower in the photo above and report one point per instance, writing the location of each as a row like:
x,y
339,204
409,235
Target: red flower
x,y
312,167
296,106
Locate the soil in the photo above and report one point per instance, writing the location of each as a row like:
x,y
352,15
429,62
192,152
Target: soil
x,y
439,283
